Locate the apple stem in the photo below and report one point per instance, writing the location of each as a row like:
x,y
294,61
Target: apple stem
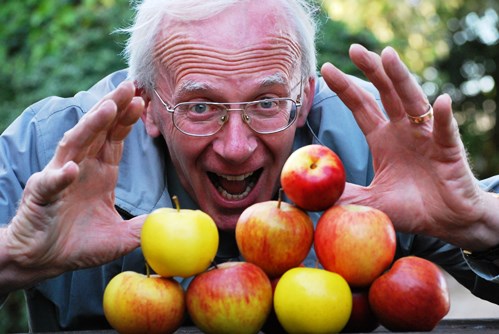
x,y
214,264
279,198
177,204
148,270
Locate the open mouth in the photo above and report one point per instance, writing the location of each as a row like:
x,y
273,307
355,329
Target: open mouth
x,y
235,187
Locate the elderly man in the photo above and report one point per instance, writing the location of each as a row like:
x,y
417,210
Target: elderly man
x,y
224,91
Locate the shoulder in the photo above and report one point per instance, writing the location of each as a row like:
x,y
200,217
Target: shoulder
x,y
39,127
324,95
80,103
333,112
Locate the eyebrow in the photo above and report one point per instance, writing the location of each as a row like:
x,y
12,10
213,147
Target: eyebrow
x,y
190,86
277,78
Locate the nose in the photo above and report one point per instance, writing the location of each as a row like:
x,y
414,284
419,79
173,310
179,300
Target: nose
x,y
235,142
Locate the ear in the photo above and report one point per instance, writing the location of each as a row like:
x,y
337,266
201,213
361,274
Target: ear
x,y
148,115
307,100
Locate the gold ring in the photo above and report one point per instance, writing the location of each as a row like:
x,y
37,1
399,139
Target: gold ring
x,y
428,115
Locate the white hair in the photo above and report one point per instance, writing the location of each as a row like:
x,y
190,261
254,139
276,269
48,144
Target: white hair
x,y
150,14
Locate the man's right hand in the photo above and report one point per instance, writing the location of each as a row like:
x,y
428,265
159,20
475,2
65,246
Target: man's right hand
x,y
66,218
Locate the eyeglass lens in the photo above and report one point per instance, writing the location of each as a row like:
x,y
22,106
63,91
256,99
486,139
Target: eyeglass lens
x,y
266,116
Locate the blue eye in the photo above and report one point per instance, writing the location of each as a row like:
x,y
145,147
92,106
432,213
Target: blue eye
x,y
266,104
199,108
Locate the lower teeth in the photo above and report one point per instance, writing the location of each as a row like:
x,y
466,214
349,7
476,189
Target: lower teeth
x,y
233,197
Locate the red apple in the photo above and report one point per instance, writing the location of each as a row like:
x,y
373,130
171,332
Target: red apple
x,y
357,242
313,177
234,297
411,296
274,235
136,303
362,319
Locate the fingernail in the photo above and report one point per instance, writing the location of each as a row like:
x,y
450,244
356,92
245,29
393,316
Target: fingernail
x,y
140,99
357,46
391,51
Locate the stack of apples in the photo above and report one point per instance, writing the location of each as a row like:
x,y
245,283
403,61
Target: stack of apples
x,y
354,287
175,243
358,244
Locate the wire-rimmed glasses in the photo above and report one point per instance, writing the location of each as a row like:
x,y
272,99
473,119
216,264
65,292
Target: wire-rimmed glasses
x,y
201,119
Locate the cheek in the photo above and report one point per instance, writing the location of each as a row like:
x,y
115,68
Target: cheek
x,y
178,144
184,151
158,122
281,145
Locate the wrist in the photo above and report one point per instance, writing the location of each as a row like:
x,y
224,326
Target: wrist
x,y
7,273
491,219
13,276
488,227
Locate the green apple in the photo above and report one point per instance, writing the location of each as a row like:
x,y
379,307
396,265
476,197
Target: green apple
x,y
179,242
136,303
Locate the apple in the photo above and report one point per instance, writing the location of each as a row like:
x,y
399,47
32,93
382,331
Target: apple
x,y
274,235
362,319
312,300
179,242
358,242
272,324
313,177
233,297
411,296
137,303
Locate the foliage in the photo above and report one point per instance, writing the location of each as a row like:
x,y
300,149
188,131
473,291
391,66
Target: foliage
x,y
469,75
56,47
13,314
53,48
452,47
334,39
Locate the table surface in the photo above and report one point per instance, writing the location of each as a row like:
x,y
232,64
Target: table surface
x,y
454,326
459,326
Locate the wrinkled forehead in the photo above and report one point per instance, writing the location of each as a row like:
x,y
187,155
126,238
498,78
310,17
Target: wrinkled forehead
x,y
243,38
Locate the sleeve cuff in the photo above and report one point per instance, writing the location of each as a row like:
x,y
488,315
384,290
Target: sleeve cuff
x,y
485,269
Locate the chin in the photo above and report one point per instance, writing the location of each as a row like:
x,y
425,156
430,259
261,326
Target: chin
x,y
226,222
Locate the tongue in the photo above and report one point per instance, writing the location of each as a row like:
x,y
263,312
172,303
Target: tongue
x,y
233,187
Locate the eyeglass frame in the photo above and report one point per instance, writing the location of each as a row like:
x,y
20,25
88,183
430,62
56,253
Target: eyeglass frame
x,y
297,103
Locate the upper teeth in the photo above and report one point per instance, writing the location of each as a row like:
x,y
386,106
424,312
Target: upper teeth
x,y
235,177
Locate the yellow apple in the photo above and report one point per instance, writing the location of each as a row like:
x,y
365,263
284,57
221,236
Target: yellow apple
x,y
179,242
312,300
136,303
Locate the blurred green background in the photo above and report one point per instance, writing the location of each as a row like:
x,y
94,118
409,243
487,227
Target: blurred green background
x,y
52,47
